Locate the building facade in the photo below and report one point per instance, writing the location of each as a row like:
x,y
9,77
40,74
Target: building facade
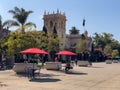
x,y
58,20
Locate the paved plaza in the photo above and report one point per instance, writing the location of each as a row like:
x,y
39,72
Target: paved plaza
x,y
100,76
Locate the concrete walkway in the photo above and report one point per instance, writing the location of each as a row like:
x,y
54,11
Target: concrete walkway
x,y
100,76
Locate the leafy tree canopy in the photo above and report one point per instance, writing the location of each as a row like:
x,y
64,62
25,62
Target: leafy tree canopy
x,y
101,40
81,46
115,53
108,50
74,30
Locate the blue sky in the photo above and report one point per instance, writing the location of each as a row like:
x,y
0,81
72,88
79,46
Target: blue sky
x,y
101,15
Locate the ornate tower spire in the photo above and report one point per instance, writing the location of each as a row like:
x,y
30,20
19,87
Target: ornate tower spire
x,y
45,12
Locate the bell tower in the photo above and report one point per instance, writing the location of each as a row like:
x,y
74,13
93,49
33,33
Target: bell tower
x,y
57,20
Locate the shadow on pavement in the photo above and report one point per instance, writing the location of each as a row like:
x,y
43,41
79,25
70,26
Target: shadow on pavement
x,y
48,75
40,75
76,73
72,72
95,67
44,80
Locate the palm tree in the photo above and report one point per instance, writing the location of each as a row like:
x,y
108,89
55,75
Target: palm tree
x,y
74,30
20,16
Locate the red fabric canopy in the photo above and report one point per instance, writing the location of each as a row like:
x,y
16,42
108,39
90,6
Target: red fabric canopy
x,y
33,51
65,52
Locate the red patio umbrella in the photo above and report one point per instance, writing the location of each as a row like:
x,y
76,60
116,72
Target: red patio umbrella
x,y
65,52
33,51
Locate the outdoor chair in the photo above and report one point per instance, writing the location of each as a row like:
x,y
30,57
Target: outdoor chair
x,y
28,71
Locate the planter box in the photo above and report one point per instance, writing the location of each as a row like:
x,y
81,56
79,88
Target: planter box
x,y
20,67
83,63
53,65
115,61
108,61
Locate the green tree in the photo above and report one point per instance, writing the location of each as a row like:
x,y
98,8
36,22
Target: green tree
x,y
53,43
108,50
81,46
97,40
115,44
45,30
74,30
18,41
42,39
101,40
3,47
55,32
115,53
20,16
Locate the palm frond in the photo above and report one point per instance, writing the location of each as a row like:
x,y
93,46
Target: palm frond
x,y
30,12
10,23
16,9
12,11
31,24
